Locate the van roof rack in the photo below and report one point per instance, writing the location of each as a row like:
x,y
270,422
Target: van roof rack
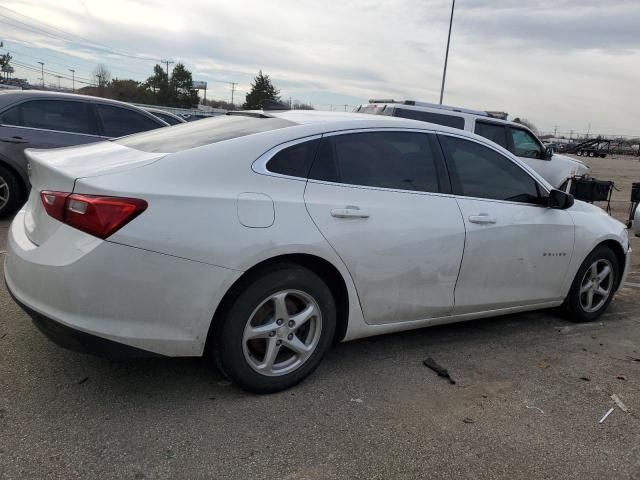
x,y
415,103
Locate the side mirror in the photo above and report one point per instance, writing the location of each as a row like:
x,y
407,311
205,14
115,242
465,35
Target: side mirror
x,y
560,200
548,152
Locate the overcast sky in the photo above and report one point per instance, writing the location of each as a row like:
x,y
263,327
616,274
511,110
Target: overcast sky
x,y
570,63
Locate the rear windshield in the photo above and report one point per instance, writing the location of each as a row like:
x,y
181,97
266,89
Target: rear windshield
x,y
202,132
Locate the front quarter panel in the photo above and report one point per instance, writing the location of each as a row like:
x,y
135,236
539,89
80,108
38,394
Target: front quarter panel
x,y
593,227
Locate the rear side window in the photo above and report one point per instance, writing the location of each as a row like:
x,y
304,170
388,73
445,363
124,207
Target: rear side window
x,y
495,132
167,118
294,161
118,122
203,132
398,160
59,115
478,171
437,118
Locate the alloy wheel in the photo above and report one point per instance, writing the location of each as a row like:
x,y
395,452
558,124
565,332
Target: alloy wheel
x,y
282,333
596,285
5,194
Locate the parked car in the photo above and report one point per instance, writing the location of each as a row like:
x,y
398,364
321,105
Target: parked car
x,y
515,137
36,119
259,239
165,116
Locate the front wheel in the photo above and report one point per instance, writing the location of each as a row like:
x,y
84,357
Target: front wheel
x,y
594,286
276,331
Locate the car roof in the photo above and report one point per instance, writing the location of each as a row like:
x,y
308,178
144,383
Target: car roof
x,y
348,120
11,96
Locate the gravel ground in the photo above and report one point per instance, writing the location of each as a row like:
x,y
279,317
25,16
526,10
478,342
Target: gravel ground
x,y
530,391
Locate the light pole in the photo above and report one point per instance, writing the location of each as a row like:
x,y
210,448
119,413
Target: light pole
x,y
42,67
446,57
73,79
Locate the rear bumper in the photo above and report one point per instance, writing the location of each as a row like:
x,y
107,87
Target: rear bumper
x,y
78,341
81,287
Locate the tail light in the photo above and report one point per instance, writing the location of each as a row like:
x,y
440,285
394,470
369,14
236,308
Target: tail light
x,y
96,215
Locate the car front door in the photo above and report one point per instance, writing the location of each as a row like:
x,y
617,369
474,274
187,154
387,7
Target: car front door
x,y
517,251
376,197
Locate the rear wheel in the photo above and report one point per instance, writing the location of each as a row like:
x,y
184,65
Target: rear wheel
x,y
276,331
10,194
594,286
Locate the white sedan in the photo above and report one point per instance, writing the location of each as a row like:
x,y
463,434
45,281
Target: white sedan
x,y
258,239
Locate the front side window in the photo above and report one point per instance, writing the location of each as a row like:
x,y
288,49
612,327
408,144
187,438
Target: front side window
x,y
525,144
118,122
294,161
478,171
398,160
59,115
493,131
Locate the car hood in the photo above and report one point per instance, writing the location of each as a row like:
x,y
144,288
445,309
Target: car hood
x,y
571,160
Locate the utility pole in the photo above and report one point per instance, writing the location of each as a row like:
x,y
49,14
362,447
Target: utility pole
x,y
446,57
233,89
73,79
555,131
167,62
42,68
58,77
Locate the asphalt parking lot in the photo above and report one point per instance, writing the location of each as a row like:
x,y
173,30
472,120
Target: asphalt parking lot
x,y
530,391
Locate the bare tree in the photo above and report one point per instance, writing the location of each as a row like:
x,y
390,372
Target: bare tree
x,y
102,76
527,123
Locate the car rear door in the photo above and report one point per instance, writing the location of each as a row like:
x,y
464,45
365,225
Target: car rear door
x,y
379,198
517,251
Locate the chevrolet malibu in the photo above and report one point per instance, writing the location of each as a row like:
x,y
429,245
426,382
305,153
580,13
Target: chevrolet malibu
x,y
258,239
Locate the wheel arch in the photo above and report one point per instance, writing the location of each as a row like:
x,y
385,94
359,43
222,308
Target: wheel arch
x,y
320,266
620,254
19,177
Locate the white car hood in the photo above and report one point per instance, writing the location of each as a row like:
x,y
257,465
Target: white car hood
x,y
570,160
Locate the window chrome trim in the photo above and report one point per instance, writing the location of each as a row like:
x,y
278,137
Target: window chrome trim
x,y
259,166
54,131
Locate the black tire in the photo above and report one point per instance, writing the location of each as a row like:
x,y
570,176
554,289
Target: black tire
x,y
13,189
573,305
228,348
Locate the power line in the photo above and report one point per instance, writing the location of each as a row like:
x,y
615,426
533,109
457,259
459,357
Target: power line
x,y
69,37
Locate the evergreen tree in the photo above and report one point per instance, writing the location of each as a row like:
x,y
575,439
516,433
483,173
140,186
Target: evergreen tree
x,y
261,89
181,86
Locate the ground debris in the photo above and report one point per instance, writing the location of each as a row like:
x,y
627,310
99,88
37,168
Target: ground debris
x,y
84,380
621,377
357,400
633,359
586,379
609,412
619,402
467,420
439,369
536,408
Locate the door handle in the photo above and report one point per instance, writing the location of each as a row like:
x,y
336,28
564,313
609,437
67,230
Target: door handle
x,y
349,212
482,218
13,140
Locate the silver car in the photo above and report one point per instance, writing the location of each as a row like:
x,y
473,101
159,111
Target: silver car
x,y
34,119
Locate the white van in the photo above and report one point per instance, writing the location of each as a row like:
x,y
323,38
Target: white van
x,y
516,138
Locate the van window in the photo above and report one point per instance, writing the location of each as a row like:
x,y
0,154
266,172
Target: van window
x,y
437,118
493,131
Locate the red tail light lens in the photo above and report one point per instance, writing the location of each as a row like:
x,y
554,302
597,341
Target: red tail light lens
x,y
96,215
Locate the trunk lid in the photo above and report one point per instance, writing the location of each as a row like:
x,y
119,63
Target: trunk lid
x,y
58,170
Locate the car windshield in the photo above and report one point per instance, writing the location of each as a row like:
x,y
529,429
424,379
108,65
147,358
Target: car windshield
x,y
204,132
